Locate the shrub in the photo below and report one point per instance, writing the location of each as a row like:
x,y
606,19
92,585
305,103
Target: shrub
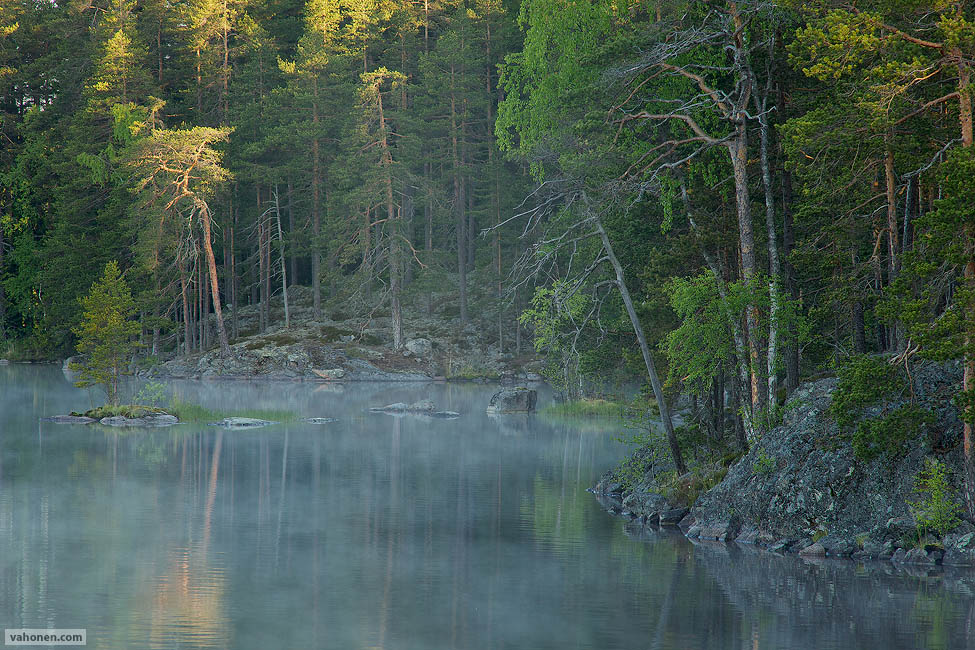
x,y
863,381
935,510
867,381
765,464
152,394
889,433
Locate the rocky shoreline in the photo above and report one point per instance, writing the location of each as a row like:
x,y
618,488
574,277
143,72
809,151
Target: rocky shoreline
x,y
800,488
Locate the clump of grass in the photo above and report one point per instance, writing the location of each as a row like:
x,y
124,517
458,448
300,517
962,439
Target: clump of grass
x,y
587,408
191,412
470,371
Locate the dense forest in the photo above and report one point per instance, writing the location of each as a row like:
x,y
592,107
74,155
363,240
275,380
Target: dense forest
x,y
745,193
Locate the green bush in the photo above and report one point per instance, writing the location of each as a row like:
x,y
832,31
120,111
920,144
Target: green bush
x,y
867,381
863,381
935,510
765,464
889,433
152,394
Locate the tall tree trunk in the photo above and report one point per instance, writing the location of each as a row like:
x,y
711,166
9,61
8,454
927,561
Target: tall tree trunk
x,y
734,322
293,259
366,238
968,377
281,257
394,235
187,327
214,282
896,342
407,231
718,403
738,148
460,219
775,268
790,350
658,392
428,223
316,214
234,279
159,52
225,68
262,296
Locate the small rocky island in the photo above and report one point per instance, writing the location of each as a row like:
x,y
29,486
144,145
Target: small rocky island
x,y
126,416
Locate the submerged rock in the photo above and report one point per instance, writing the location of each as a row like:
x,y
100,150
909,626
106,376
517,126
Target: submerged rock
x,y
673,516
445,415
423,407
395,407
154,420
161,420
122,421
241,423
513,400
69,419
813,550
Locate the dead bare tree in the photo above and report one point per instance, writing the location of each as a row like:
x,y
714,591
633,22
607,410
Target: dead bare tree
x,y
583,271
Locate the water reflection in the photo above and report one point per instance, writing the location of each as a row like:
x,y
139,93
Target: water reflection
x,y
383,532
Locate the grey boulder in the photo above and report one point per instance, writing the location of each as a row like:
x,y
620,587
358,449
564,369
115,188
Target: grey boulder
x,y
513,400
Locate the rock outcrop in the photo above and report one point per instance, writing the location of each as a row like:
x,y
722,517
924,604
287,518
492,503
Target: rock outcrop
x,y
800,488
513,400
423,407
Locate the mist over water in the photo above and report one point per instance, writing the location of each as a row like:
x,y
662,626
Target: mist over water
x,y
378,531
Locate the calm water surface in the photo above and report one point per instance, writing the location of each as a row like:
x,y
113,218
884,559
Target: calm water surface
x,y
383,532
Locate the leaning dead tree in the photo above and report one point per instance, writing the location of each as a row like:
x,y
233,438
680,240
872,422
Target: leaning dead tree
x,y
578,256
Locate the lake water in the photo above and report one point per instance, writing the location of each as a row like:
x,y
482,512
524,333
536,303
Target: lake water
x,y
393,532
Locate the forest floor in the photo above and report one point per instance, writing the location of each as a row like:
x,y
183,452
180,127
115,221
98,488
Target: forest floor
x,y
354,342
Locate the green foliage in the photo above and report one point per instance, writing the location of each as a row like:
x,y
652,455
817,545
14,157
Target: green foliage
x,y
890,432
153,393
106,332
764,464
871,382
863,381
936,509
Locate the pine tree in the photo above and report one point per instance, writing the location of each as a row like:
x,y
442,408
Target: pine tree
x,y
106,333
